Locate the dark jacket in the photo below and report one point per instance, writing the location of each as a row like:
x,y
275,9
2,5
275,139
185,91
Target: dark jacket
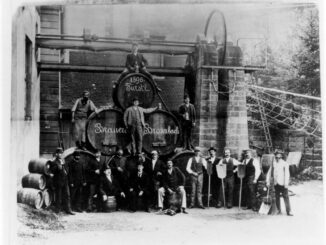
x,y
191,110
109,188
173,180
139,184
76,174
116,162
133,59
152,173
60,173
92,166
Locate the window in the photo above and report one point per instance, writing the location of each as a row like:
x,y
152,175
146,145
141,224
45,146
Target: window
x,y
28,78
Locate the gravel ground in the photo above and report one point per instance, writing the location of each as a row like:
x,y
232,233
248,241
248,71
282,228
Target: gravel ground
x,y
209,226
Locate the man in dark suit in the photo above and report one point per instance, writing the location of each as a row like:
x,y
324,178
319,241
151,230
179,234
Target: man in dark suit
x,y
154,168
173,183
109,186
188,122
59,173
212,161
139,188
93,171
77,180
134,121
135,63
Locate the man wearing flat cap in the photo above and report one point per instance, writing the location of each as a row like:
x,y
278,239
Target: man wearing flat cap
x,y
139,189
80,112
134,121
231,164
195,167
59,173
281,174
173,184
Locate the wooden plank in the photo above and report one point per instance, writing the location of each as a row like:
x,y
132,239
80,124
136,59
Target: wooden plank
x,y
50,25
50,31
49,58
49,17
50,51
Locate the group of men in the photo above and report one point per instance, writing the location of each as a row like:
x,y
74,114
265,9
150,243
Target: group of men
x,y
141,183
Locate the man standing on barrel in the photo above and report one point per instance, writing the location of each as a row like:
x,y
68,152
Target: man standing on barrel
x,y
80,112
134,121
173,184
231,164
195,167
59,173
252,174
188,121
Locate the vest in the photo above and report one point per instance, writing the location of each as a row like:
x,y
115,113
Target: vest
x,y
250,168
229,167
197,167
172,180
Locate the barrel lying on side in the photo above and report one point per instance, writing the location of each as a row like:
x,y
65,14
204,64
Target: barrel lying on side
x,y
39,166
36,181
47,198
30,197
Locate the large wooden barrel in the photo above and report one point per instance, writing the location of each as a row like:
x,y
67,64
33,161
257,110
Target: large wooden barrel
x,y
47,198
31,197
85,156
131,86
106,130
39,166
110,204
162,132
36,181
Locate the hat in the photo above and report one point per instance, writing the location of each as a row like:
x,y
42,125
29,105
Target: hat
x,y
186,96
85,92
212,149
154,152
59,150
197,149
278,152
134,99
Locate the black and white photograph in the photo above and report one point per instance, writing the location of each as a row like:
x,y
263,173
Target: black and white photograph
x,y
162,122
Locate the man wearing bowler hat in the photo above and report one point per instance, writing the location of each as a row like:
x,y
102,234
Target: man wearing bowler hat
x,y
195,167
212,161
80,112
231,164
59,173
134,121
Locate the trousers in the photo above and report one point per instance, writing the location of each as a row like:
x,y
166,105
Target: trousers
x,y
163,193
196,189
229,187
136,133
187,134
126,71
249,193
62,194
278,190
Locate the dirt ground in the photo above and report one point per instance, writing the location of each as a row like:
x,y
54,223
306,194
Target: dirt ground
x,y
209,226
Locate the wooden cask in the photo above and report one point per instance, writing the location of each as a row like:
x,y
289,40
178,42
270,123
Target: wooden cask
x,y
39,166
106,130
36,181
110,204
47,198
131,86
30,196
162,132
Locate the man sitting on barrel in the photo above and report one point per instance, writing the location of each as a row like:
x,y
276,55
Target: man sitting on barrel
x,y
59,173
231,164
110,187
139,189
134,121
173,185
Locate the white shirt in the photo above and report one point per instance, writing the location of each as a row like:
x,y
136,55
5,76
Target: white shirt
x,y
235,161
197,159
256,166
153,164
281,173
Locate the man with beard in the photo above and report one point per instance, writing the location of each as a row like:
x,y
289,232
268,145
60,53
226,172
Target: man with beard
x,y
154,168
59,173
80,112
231,164
253,172
77,180
93,171
173,183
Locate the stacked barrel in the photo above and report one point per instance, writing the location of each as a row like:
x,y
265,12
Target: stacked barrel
x,y
106,130
36,190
